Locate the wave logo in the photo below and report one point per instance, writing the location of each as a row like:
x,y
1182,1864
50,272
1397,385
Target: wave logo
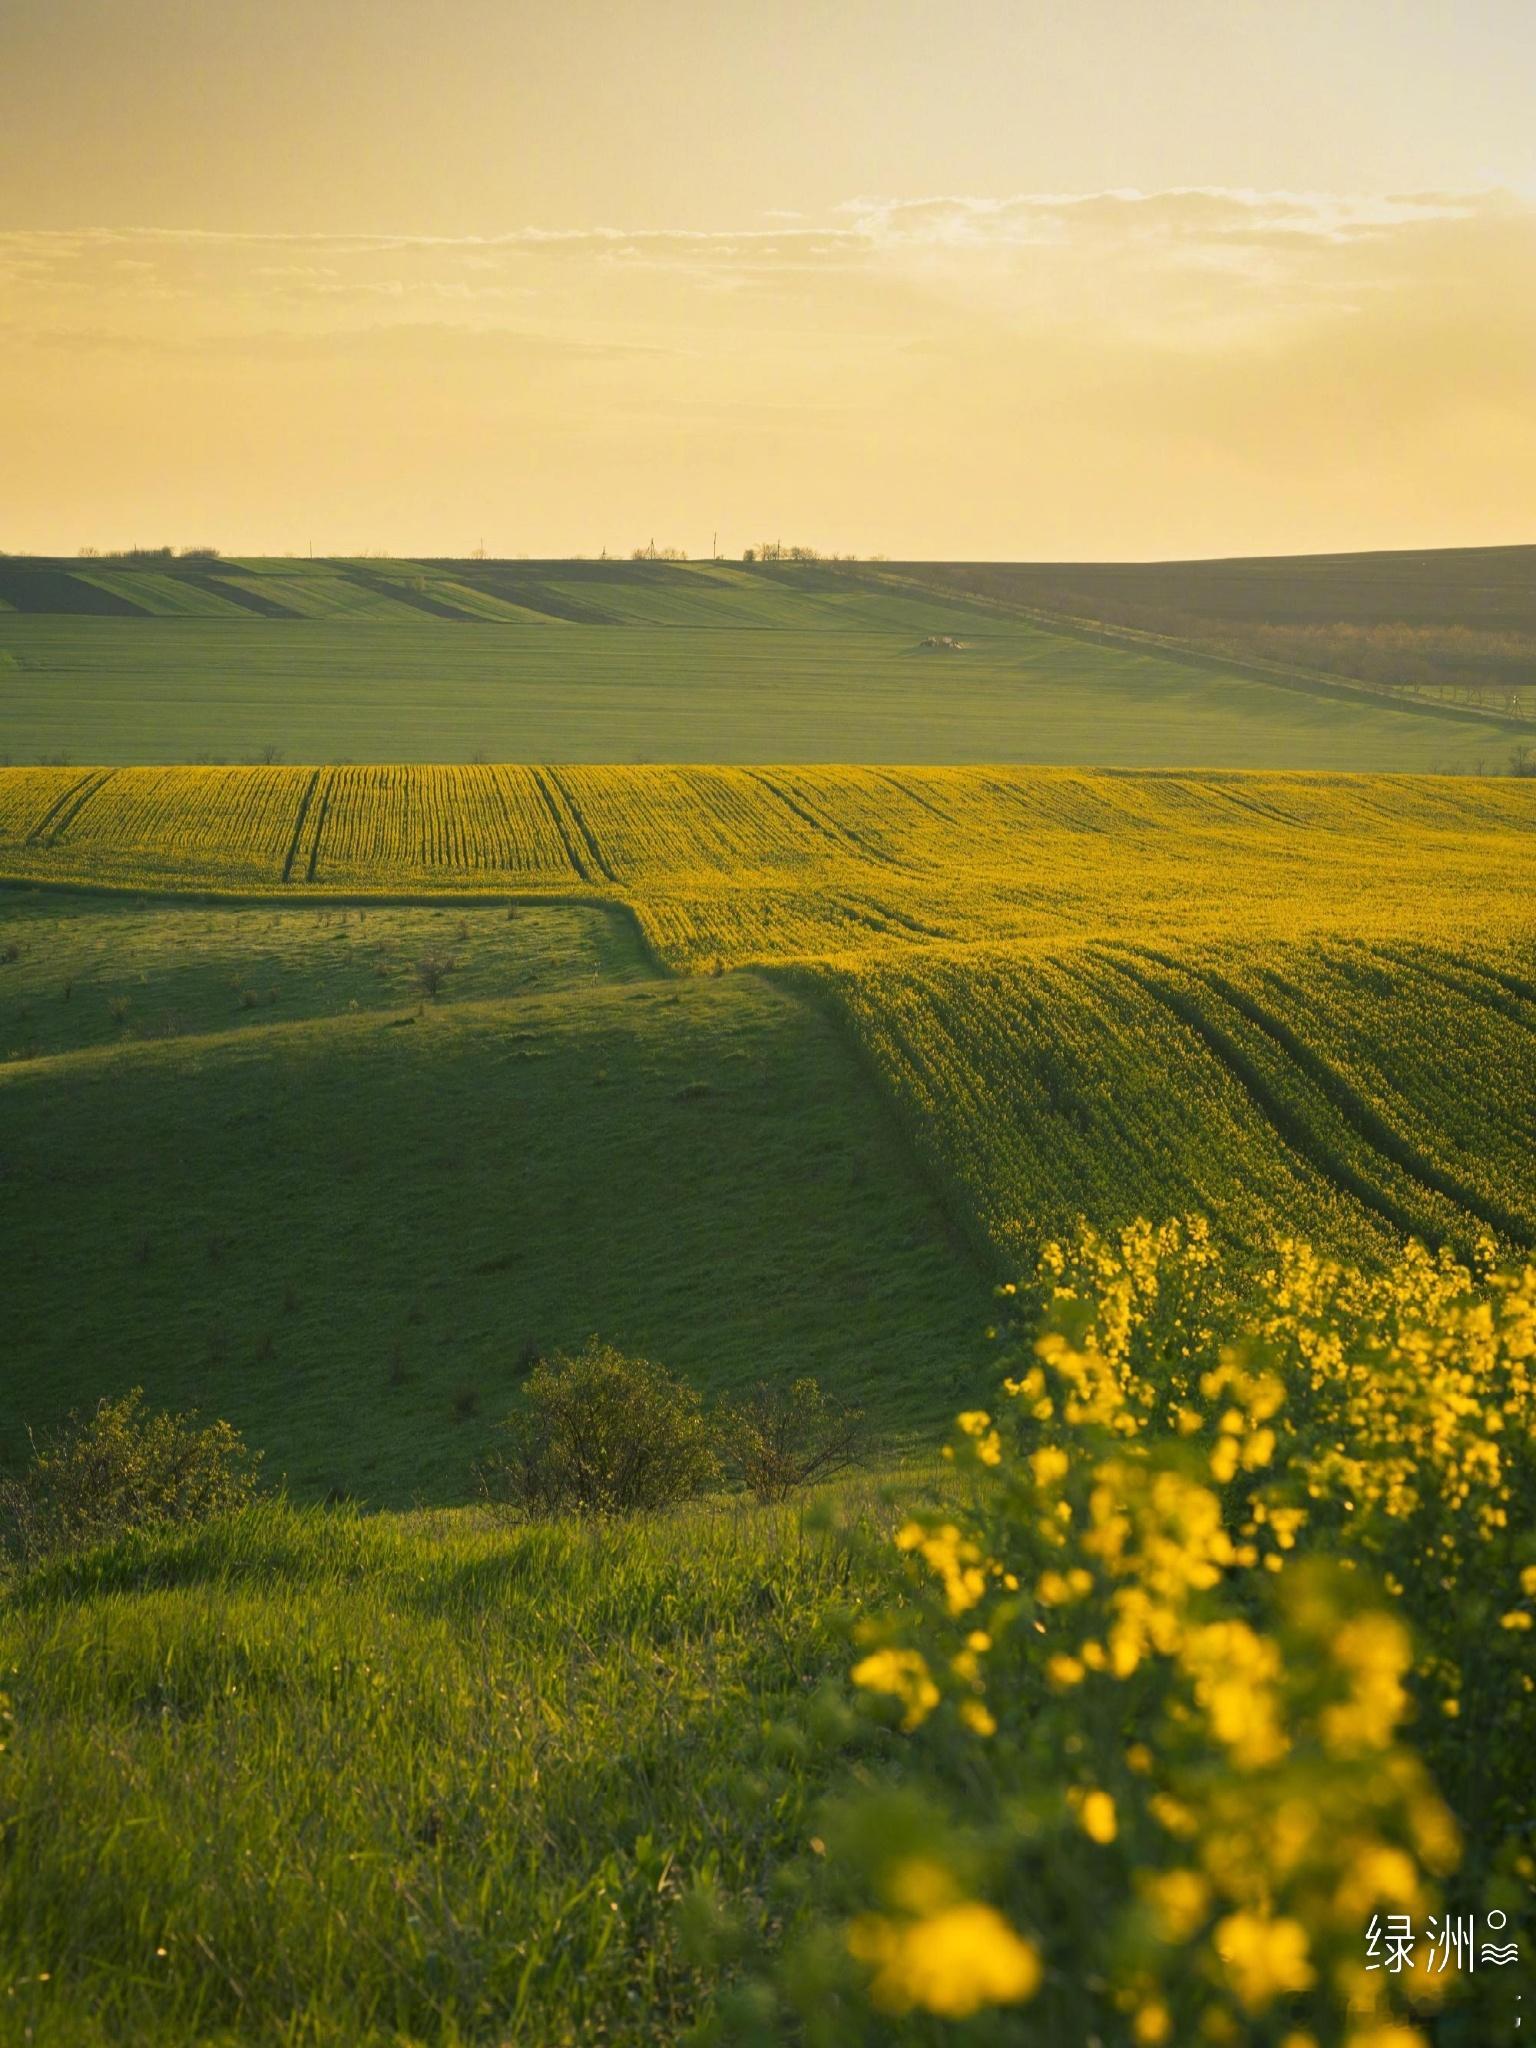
x,y
1496,1952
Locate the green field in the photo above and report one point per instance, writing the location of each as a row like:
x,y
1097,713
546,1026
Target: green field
x,y
348,1216
647,661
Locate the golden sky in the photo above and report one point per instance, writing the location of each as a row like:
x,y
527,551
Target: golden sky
x,y
991,278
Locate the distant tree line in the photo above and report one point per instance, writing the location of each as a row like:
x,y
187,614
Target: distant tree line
x,y
198,554
794,551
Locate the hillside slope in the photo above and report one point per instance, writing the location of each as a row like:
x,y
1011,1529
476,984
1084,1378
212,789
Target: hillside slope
x,y
348,1217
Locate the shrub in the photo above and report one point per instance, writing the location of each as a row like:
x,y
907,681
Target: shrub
x,y
117,1469
431,973
600,1433
788,1436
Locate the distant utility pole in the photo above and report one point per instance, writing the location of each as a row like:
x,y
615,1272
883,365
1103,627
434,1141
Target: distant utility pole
x,y
714,545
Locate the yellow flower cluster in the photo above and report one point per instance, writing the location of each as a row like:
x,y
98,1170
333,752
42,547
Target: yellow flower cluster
x,y
1240,1528
952,1962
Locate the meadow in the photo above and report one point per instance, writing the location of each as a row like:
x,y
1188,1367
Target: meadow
x,y
364,1781
398,1201
639,661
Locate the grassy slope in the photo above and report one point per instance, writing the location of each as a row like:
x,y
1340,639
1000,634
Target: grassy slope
x,y
367,1783
621,661
325,1228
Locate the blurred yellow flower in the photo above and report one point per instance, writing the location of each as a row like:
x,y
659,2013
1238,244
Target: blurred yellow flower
x,y
1049,1465
952,1963
905,1674
1264,1958
976,1718
1179,1900
1096,1816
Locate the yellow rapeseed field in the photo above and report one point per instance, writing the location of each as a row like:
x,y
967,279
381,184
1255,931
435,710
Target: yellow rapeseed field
x,y
1282,1000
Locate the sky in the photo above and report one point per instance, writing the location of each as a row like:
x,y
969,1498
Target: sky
x,y
983,279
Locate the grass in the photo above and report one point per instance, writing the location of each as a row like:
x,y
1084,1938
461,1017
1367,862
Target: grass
x,y
635,661
304,1777
336,1215
102,970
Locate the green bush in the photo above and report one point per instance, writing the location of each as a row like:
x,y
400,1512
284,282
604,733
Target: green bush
x,y
601,1433
117,1469
783,1437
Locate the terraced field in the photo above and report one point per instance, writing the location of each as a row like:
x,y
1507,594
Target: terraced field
x,y
1286,1000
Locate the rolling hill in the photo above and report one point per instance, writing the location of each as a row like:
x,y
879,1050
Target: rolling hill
x,y
373,661
350,1216
342,1208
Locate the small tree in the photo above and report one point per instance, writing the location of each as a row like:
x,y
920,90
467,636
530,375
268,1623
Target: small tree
x,y
432,972
600,1433
783,1437
117,1469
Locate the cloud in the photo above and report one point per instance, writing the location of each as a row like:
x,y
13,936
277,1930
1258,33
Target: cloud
x,y
1066,357
1038,239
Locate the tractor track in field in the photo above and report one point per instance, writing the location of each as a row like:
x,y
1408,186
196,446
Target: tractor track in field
x,y
325,809
1367,1123
551,804
1292,1130
589,838
298,825
68,806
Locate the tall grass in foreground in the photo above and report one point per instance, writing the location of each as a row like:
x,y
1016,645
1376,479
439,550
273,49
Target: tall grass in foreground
x,y
300,1776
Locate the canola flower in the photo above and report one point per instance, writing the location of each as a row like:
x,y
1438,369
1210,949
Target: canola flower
x,y
1230,1523
952,1962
